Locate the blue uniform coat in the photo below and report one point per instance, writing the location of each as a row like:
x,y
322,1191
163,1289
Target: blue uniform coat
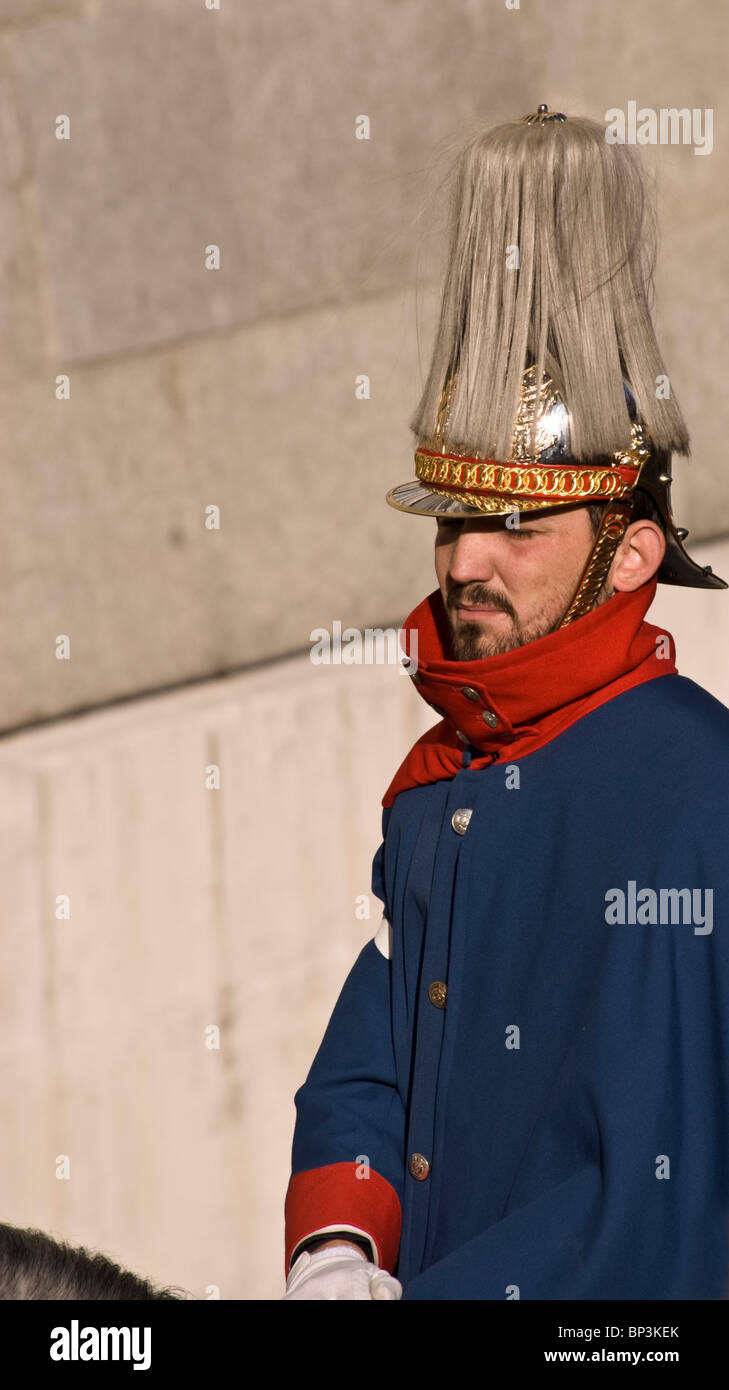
x,y
555,1123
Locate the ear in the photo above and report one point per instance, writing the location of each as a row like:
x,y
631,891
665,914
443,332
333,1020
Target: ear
x,y
638,556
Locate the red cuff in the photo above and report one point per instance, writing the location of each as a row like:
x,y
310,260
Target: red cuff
x,y
335,1196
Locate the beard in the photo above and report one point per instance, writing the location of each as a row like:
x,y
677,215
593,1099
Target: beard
x,y
471,643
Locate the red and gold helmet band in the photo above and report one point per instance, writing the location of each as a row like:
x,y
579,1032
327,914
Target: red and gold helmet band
x,y
539,485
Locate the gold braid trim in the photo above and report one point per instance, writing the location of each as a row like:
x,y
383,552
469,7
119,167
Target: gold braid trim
x,y
611,531
527,479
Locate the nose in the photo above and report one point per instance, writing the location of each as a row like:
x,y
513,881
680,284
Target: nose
x,y
473,554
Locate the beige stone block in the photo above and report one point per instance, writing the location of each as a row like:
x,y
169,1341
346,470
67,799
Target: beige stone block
x,y
188,908
25,983
333,210
23,284
137,1111
130,202
95,544
22,12
143,803
192,127
300,765
300,467
103,528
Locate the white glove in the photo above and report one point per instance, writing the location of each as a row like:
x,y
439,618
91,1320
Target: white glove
x,y
339,1272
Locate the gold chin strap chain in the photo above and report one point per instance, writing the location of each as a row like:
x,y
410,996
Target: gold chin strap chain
x,y
612,528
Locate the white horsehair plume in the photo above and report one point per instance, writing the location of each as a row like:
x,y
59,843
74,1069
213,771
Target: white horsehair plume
x,y
574,301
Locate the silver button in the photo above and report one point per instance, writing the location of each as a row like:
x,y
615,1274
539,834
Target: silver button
x,y
463,737
490,718
470,693
460,819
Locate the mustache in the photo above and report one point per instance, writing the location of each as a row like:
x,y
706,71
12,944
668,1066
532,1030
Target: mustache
x,y
477,595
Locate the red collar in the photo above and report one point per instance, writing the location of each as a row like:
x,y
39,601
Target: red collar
x,y
529,695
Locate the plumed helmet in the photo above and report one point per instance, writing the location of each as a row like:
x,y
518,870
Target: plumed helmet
x,y
542,390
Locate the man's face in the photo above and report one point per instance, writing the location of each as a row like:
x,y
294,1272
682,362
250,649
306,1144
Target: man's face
x,y
503,586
